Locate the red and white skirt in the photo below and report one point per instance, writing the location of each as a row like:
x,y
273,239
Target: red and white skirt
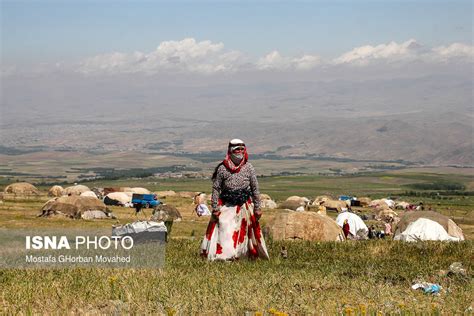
x,y
236,234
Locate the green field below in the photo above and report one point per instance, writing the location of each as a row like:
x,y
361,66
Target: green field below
x,y
350,278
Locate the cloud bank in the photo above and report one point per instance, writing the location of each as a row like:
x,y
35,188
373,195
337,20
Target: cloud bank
x,y
207,58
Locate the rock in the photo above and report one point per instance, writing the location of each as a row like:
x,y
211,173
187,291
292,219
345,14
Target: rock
x,y
457,268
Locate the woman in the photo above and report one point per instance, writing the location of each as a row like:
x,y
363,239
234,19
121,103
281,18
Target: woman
x,y
234,230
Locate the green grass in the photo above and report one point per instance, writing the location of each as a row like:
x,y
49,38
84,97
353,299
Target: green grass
x,y
329,277
347,278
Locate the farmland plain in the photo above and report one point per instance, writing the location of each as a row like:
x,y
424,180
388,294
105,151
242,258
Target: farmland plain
x,y
352,278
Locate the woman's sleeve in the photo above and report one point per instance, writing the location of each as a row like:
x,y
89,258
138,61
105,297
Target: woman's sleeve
x,y
216,189
254,189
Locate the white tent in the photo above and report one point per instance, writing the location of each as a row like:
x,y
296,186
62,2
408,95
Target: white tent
x,y
121,197
355,222
424,229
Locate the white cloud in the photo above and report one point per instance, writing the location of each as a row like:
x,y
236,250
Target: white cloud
x,y
392,51
186,55
455,50
306,62
275,61
206,57
407,51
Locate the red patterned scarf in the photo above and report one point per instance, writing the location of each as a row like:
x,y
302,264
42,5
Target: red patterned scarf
x,y
230,164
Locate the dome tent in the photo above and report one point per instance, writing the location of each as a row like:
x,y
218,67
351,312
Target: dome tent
x,y
445,222
117,198
304,226
76,207
56,191
76,190
21,188
356,224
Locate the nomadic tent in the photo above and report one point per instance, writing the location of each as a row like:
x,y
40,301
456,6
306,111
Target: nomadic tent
x,y
300,199
76,190
21,188
140,191
117,198
357,226
423,227
187,194
320,198
379,204
387,214
267,202
337,205
89,193
364,201
56,191
75,206
304,226
166,212
290,205
164,194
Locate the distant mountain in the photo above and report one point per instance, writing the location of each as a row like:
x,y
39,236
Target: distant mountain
x,y
419,118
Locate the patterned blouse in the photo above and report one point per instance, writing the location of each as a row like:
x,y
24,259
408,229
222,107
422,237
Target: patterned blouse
x,y
245,178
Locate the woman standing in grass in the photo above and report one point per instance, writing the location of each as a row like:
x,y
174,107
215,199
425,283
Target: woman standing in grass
x,y
234,230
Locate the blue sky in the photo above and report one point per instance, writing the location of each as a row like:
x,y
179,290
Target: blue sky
x,y
48,31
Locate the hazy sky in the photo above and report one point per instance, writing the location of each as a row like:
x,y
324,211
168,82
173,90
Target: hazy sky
x,y
59,31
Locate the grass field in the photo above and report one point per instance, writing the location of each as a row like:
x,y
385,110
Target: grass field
x,y
351,278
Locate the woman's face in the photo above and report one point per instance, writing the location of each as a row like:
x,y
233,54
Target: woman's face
x,y
238,150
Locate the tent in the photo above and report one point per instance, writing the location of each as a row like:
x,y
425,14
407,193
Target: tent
x,y
356,224
304,226
267,202
300,199
140,191
446,223
75,206
117,198
56,191
76,190
364,201
164,194
89,193
166,212
425,229
22,188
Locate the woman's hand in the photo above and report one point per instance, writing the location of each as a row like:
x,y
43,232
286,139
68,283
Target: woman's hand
x,y
215,215
258,214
